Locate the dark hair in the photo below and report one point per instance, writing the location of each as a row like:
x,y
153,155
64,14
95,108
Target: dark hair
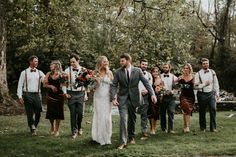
x,y
126,56
168,65
31,58
143,60
73,55
204,59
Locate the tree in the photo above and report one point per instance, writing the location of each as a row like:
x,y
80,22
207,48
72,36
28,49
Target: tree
x,y
7,104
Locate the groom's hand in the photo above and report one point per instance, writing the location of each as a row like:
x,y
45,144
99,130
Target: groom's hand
x,y
154,99
115,102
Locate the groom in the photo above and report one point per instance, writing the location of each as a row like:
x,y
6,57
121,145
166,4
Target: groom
x,y
125,95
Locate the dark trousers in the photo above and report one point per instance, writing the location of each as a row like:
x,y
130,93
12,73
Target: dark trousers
x,y
207,100
131,120
76,106
33,108
168,105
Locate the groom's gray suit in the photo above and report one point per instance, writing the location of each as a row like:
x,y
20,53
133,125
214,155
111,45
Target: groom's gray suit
x,y
127,93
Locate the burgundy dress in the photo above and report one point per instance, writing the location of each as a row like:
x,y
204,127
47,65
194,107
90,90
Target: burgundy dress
x,y
55,101
187,97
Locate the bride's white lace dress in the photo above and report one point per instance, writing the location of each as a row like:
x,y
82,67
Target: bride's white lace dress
x,y
102,121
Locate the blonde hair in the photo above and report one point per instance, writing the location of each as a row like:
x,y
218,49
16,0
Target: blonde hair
x,y
189,67
99,63
58,67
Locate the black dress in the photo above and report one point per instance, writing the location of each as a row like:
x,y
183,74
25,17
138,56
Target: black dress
x,y
153,109
187,97
55,101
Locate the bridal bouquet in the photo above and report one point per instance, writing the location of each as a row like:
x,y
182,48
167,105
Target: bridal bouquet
x,y
83,78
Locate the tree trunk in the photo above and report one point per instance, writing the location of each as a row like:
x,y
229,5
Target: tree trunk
x,y
7,104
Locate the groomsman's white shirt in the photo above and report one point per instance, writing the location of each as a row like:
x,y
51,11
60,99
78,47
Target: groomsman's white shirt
x,y
71,84
33,80
148,76
210,76
168,81
141,87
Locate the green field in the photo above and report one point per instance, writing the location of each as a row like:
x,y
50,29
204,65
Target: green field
x,y
16,141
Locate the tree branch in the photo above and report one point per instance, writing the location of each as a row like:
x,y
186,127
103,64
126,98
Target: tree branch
x,y
204,25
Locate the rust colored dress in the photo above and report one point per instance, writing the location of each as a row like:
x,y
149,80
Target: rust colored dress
x,y
187,97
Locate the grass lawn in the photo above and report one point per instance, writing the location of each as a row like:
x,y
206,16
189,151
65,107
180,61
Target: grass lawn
x,y
16,141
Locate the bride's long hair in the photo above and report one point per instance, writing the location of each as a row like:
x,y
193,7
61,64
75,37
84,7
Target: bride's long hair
x,y
99,64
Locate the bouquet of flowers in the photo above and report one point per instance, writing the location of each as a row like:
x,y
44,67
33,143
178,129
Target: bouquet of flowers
x,y
85,78
182,85
63,79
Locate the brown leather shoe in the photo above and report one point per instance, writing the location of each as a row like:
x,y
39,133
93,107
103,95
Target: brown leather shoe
x,y
171,131
80,132
122,146
145,136
74,136
33,132
132,141
214,130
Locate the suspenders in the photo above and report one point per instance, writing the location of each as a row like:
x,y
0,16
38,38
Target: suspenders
x,y
213,77
70,79
26,81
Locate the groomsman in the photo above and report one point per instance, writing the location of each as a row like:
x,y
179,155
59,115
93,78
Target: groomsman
x,y
75,95
208,92
29,93
144,96
168,102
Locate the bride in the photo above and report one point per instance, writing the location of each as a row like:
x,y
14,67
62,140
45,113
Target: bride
x,y
102,123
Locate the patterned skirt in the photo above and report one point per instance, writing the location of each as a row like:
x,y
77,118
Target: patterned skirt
x,y
186,104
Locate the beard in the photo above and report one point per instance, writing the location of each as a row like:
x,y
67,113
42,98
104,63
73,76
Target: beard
x,y
166,72
143,69
124,66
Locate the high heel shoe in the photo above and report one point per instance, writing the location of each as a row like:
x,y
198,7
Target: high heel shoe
x,y
186,130
56,134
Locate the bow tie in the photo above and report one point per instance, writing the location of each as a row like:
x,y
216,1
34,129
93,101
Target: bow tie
x,y
32,70
206,71
75,70
166,75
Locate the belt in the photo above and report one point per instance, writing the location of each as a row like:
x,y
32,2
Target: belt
x,y
31,92
205,92
71,91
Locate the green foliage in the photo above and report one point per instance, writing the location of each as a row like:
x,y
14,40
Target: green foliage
x,y
158,30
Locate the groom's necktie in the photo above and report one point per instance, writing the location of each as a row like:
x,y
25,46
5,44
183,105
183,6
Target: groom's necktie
x,y
127,73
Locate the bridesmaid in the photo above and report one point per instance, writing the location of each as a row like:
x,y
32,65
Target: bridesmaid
x,y
55,99
187,97
153,111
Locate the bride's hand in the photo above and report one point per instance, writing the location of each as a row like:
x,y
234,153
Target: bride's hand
x,y
115,102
